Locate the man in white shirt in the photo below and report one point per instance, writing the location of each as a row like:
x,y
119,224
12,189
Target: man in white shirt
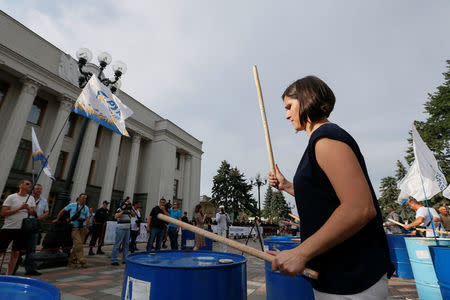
x,y
423,217
16,208
222,220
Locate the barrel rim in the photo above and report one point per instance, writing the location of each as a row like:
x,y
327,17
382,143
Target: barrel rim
x,y
218,266
38,283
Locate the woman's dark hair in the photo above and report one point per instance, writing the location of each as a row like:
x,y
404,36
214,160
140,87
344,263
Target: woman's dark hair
x,y
315,97
197,208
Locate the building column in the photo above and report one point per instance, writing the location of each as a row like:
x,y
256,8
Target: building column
x,y
187,183
132,167
65,106
162,162
14,127
110,170
195,183
84,161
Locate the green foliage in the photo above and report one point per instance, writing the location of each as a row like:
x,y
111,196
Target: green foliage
x,y
401,171
275,206
231,190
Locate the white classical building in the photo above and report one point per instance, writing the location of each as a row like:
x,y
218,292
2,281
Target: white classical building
x,y
38,86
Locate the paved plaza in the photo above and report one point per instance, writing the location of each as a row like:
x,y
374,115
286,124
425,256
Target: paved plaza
x,y
103,281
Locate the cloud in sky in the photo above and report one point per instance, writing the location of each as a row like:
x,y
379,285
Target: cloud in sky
x,y
190,62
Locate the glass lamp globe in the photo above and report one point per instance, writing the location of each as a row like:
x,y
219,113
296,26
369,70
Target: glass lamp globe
x,y
119,66
84,53
104,57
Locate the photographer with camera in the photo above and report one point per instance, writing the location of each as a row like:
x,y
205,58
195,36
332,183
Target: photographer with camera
x,y
222,220
136,221
123,216
79,219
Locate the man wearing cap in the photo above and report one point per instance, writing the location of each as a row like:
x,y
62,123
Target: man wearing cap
x,y
222,220
98,228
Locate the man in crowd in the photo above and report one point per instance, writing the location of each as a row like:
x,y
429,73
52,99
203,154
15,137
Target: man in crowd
x,y
33,238
123,216
91,222
222,220
423,217
155,226
445,218
184,218
136,221
390,227
174,229
98,228
79,219
16,208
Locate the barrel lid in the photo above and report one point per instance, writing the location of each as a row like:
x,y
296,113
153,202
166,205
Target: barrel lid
x,y
186,259
14,287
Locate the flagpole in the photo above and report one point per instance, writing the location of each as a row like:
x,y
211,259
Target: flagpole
x,y
428,207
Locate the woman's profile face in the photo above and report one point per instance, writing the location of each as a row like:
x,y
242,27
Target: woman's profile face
x,y
292,107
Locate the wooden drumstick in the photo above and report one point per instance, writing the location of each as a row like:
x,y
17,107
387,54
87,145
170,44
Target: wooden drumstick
x,y
264,120
294,216
420,229
241,247
290,223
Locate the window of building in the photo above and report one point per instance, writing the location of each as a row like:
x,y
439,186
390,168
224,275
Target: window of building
x,y
61,165
91,172
177,157
3,89
22,156
99,136
37,111
175,189
70,125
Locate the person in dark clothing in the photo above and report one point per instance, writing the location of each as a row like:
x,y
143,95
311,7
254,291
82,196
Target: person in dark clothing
x,y
98,228
342,224
155,226
184,218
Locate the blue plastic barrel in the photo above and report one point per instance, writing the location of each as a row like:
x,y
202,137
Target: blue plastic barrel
x,y
174,275
281,287
188,241
426,281
21,288
282,242
440,256
399,256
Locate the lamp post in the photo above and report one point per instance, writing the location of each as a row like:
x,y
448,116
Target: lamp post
x,y
84,55
258,181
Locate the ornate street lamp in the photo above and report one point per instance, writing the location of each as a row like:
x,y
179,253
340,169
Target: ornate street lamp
x,y
84,56
258,181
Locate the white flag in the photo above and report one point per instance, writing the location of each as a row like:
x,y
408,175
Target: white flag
x,y
38,155
446,192
96,102
424,171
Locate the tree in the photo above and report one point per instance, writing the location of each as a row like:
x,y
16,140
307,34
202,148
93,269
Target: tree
x,y
389,193
401,171
231,190
267,202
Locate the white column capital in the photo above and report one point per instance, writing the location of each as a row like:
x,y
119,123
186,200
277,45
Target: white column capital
x,y
65,102
136,138
30,86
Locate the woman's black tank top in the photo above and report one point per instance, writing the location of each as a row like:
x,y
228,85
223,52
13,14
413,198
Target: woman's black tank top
x,y
357,263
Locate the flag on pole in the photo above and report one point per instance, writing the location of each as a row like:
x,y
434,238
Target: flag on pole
x,y
38,155
96,102
424,171
446,192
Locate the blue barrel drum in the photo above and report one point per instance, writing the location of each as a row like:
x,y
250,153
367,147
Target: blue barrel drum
x,y
20,288
441,261
424,274
173,275
281,287
188,241
399,255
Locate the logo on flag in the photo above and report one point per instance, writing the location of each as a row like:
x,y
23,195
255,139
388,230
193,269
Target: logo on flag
x,y
96,102
38,155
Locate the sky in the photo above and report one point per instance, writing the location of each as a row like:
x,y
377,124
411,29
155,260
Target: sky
x,y
191,62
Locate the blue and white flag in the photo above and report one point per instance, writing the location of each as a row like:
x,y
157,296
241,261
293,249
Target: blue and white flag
x,y
96,102
425,178
446,192
38,155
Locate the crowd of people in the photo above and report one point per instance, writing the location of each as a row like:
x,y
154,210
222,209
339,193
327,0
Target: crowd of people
x,y
86,223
